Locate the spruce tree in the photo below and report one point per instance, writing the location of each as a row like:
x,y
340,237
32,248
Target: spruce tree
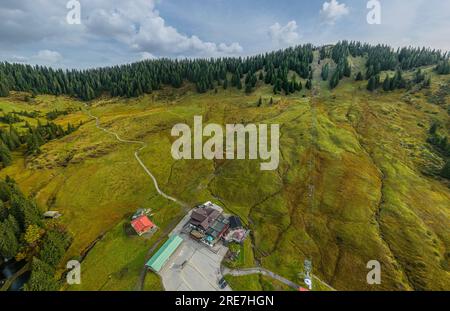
x,y
308,84
387,84
359,76
334,81
9,245
325,71
4,89
259,102
42,277
445,172
5,155
225,84
371,85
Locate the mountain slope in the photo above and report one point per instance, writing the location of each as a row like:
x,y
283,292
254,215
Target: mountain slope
x,y
364,155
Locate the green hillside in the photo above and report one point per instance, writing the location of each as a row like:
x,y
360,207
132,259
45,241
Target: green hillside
x,y
374,164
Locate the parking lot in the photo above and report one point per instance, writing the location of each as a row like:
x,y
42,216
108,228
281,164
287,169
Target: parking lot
x,y
194,267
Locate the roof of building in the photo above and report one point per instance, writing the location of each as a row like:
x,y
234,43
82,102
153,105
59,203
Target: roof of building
x,y
218,227
196,234
213,206
235,222
142,224
163,254
52,214
204,217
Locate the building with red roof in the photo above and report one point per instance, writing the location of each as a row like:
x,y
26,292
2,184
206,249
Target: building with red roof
x,y
142,224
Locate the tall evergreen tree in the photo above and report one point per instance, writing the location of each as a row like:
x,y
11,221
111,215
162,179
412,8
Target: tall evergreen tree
x,y
4,89
387,84
359,77
371,85
9,244
5,155
325,71
446,170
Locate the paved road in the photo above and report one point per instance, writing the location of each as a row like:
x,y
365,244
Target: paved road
x,y
257,270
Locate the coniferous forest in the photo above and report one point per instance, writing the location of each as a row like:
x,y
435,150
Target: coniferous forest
x,y
273,68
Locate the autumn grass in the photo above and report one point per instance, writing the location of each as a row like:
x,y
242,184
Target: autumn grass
x,y
371,200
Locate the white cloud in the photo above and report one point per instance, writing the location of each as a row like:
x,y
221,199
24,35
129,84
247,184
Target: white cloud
x,y
43,57
284,35
147,55
136,25
139,25
47,56
333,10
18,59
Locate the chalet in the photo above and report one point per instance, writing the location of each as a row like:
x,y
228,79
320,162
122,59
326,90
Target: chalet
x,y
208,224
52,214
142,225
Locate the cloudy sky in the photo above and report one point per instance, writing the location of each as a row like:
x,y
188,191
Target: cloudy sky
x,y
118,31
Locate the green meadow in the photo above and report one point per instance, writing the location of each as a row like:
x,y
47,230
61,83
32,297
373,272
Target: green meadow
x,y
372,199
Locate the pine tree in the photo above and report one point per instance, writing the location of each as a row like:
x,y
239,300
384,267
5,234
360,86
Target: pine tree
x,y
371,85
308,84
42,277
15,137
359,77
334,81
325,71
225,84
347,69
53,247
259,104
33,144
445,172
443,68
9,245
3,211
433,128
387,84
5,155
261,76
4,89
239,84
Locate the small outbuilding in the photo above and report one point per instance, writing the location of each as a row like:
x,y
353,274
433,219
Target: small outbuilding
x,y
52,214
235,223
142,225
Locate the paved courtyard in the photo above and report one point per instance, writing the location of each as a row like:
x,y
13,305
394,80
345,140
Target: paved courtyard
x,y
193,267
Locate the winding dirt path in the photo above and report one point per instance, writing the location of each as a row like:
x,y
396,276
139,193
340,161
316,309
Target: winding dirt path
x,y
136,155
